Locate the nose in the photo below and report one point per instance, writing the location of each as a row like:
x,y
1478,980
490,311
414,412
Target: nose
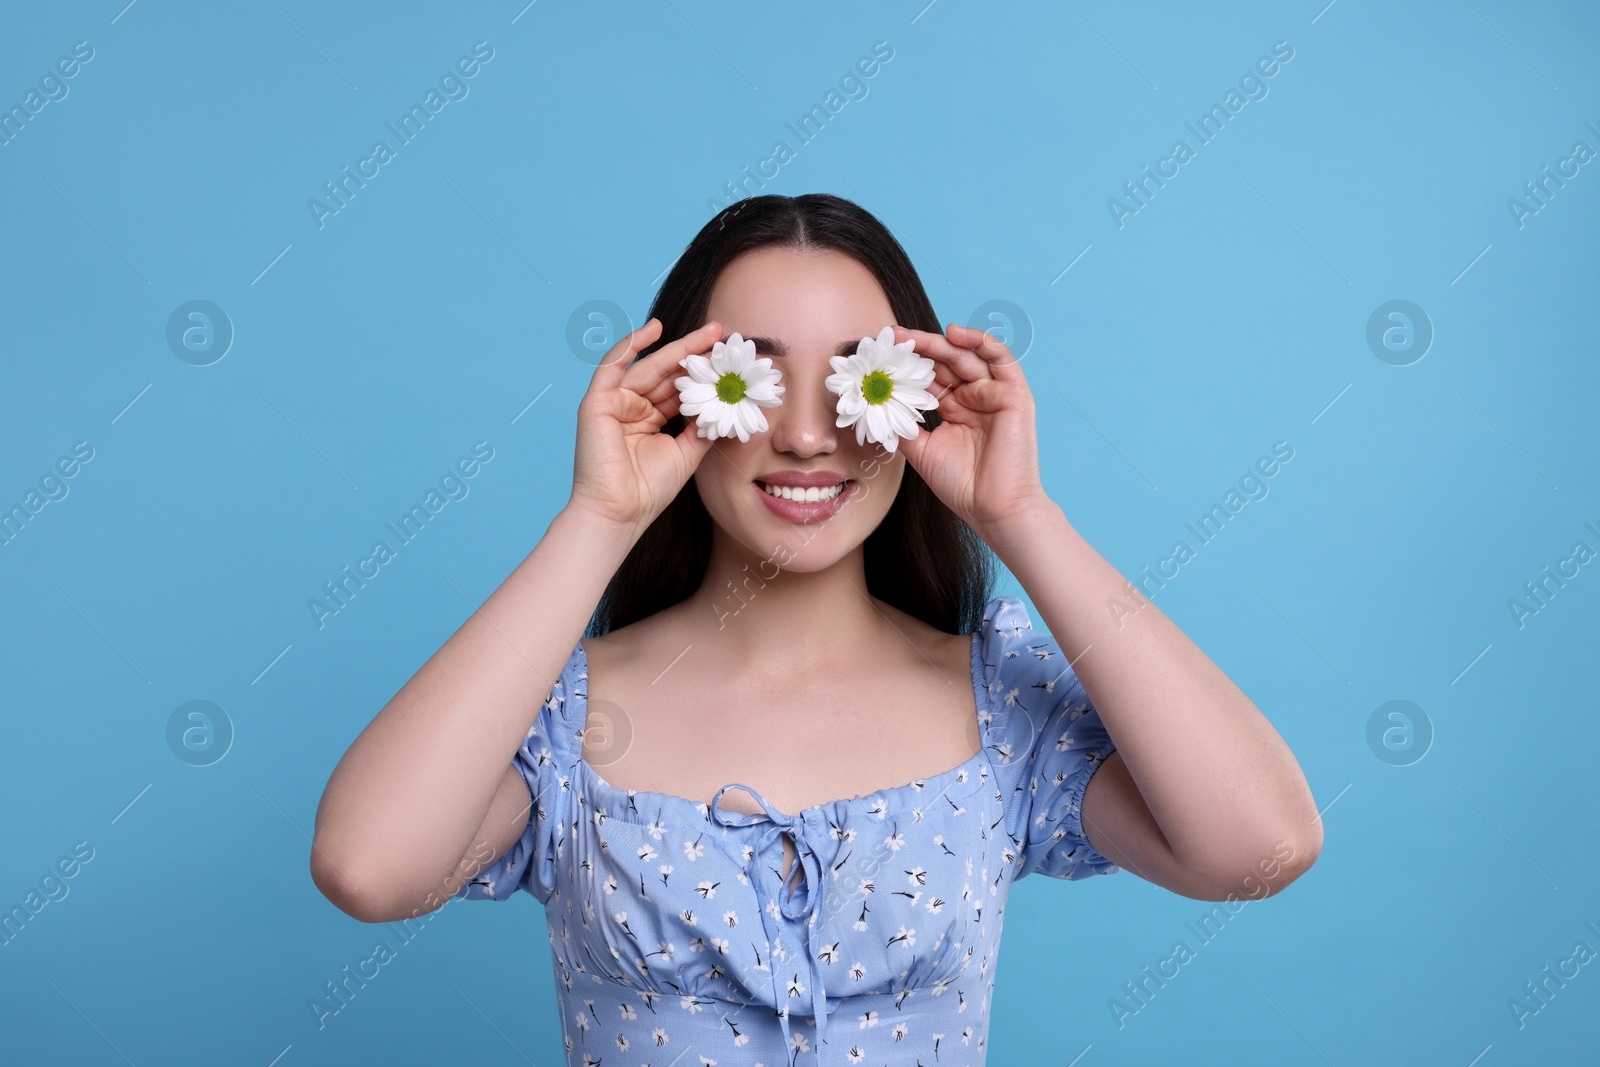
x,y
804,424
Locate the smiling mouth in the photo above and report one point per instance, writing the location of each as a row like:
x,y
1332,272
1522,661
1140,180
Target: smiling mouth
x,y
799,495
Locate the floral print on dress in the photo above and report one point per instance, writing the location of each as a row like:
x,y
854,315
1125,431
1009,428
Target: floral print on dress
x,y
674,932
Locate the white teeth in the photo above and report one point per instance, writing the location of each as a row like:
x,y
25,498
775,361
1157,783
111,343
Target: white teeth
x,y
808,496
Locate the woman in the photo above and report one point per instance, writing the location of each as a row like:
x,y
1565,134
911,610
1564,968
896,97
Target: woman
x,y
738,663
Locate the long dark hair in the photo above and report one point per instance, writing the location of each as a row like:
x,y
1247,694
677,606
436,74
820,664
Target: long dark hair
x,y
921,558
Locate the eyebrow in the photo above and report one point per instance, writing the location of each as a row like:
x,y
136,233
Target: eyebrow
x,y
771,346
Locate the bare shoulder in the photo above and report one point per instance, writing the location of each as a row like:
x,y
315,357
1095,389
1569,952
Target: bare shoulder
x,y
612,654
609,648
952,652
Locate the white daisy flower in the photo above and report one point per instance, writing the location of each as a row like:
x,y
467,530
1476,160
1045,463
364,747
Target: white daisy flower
x,y
881,386
726,391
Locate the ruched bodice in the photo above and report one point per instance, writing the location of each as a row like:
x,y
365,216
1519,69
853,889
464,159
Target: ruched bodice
x,y
672,926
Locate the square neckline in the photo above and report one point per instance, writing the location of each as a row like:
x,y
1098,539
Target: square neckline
x,y
890,798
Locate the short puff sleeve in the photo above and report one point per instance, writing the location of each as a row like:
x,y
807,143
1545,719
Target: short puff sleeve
x,y
1049,740
545,760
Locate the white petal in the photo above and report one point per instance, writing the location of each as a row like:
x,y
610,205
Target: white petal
x,y
878,424
913,369
837,383
699,368
749,419
899,417
914,397
697,392
740,354
758,377
858,364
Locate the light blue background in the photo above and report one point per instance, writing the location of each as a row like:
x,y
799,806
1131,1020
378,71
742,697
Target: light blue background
x,y
370,354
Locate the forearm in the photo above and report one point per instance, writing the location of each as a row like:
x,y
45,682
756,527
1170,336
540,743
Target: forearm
x,y
405,801
1217,778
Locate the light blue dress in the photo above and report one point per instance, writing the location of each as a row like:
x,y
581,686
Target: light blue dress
x,y
674,942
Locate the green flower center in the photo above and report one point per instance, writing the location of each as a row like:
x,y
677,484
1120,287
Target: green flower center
x,y
730,388
877,387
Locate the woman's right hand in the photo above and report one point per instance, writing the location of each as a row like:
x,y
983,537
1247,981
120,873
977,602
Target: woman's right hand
x,y
624,469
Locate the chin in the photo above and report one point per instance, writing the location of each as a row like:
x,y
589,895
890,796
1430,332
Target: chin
x,y
794,547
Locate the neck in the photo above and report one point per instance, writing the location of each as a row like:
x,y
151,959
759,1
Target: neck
x,y
755,609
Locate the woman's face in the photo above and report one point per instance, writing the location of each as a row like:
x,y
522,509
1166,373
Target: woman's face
x,y
800,308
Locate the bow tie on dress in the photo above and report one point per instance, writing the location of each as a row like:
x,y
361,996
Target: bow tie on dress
x,y
804,909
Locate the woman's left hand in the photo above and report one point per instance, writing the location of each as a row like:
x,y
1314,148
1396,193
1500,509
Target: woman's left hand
x,y
982,460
